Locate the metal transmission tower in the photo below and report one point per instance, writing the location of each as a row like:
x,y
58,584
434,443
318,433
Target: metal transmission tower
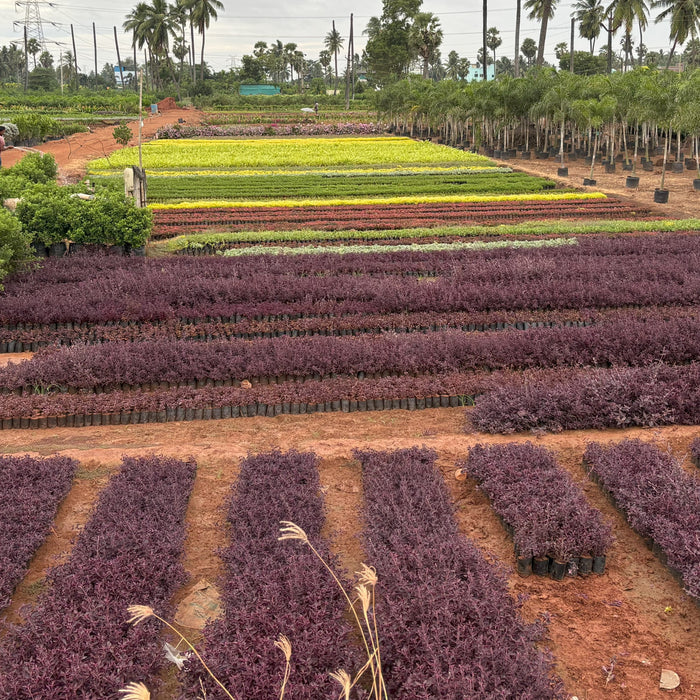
x,y
32,20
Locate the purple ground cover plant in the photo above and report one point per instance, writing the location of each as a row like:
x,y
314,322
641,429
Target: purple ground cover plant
x,y
548,512
30,492
75,642
274,587
695,451
616,398
109,366
448,627
593,274
658,497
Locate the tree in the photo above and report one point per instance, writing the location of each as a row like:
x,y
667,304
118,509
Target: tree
x,y
691,54
584,63
333,43
542,11
561,49
33,48
452,67
516,67
529,49
463,68
493,41
590,15
685,20
325,58
203,11
624,14
45,59
425,37
388,47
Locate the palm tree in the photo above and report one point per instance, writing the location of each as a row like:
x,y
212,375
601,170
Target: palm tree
x,y
590,15
334,42
493,41
203,11
624,14
517,38
425,36
33,47
685,20
542,11
451,69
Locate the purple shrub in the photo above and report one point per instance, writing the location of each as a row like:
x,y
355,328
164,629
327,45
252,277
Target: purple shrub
x,y
76,642
695,451
660,500
276,587
448,627
547,511
30,492
616,398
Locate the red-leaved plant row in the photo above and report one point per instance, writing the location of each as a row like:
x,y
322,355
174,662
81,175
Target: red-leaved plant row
x,y
30,492
358,324
212,402
660,500
447,625
593,274
75,642
175,362
174,222
273,587
616,398
543,509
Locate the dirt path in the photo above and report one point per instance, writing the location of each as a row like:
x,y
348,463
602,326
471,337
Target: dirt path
x,y
636,616
73,152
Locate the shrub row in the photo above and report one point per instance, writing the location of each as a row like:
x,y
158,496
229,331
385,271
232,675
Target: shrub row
x,y
617,398
448,627
272,588
543,509
595,275
175,362
188,403
172,222
13,341
76,642
659,499
695,452
526,229
30,491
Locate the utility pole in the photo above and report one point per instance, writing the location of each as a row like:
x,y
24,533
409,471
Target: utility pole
x,y
75,56
94,43
517,39
119,60
483,48
571,46
26,60
347,68
610,33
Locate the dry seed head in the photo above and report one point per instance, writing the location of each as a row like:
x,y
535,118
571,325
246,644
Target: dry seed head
x,y
285,646
344,679
290,531
367,575
365,596
139,613
135,691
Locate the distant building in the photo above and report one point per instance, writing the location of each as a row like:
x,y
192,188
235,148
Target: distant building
x,y
258,90
478,73
129,76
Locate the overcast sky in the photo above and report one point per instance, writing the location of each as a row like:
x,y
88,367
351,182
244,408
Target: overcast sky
x,y
305,22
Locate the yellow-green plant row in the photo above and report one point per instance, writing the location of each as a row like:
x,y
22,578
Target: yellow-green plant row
x,y
271,153
362,201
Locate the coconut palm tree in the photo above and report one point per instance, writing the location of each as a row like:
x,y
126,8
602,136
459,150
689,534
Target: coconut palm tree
x,y
493,41
590,15
542,11
624,14
685,20
334,42
203,11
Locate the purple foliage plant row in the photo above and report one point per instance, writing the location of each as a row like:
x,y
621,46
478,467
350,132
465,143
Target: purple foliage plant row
x,y
660,500
188,288
272,587
695,451
615,398
116,365
543,508
448,627
75,642
30,492
358,324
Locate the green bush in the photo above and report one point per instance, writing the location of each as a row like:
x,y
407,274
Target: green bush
x,y
14,244
111,219
12,185
47,213
36,167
